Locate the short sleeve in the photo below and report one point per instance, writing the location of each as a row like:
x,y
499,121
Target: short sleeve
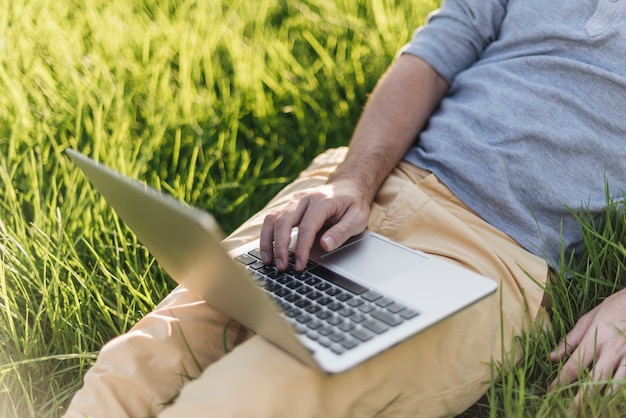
x,y
455,35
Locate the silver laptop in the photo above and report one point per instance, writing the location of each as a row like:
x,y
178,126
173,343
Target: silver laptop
x,y
345,307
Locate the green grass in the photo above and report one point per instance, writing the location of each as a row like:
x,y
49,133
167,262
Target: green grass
x,y
219,103
598,271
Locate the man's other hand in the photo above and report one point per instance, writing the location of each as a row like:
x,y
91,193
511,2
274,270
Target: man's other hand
x,y
597,343
337,206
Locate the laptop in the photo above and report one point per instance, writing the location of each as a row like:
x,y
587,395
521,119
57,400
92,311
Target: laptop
x,y
345,307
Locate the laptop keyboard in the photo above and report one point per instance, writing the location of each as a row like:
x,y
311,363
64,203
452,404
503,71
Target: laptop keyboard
x,y
326,307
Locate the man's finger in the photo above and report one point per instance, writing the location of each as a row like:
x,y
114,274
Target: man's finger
x,y
352,223
619,378
311,223
283,229
266,241
276,233
573,338
579,361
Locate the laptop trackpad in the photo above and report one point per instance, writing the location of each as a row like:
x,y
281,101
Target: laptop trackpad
x,y
372,259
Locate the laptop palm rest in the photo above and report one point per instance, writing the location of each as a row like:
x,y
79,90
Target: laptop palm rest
x,y
372,259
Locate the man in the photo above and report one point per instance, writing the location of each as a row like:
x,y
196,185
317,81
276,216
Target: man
x,y
517,107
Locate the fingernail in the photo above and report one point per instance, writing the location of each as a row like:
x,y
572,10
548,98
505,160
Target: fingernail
x,y
279,264
329,242
298,265
265,256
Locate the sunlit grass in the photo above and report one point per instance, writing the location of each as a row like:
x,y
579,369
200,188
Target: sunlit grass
x,y
219,103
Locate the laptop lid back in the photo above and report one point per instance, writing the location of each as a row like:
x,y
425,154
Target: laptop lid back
x,y
185,242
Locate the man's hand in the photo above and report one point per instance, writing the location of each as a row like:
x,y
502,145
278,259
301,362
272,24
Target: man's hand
x,y
338,206
598,343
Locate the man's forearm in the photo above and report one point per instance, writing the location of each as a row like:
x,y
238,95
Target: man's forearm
x,y
398,109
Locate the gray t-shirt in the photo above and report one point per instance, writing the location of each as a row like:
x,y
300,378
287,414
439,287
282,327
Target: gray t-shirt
x,y
534,123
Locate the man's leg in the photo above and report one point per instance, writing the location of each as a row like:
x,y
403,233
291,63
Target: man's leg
x,y
439,372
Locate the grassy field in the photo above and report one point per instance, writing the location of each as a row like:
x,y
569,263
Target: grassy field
x,y
219,103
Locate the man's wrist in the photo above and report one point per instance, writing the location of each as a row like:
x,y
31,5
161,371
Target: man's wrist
x,y
363,183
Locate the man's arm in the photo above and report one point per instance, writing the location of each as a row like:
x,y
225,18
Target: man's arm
x,y
394,115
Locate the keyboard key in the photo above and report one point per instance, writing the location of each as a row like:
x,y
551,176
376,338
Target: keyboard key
x,y
324,300
345,311
289,272
337,349
267,269
272,287
256,253
325,331
310,279
349,343
325,341
387,317
343,296
323,286
256,265
303,318
284,279
356,302
375,325
396,307
304,289
313,308
371,296
293,297
292,312
346,326
282,293
275,274
384,301
358,317
362,334
246,259
409,313
314,324
303,303
312,335
293,284
334,306
334,320
332,291
337,336
313,295
323,314
366,307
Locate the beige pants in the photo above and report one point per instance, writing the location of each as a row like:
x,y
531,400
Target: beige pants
x,y
173,362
